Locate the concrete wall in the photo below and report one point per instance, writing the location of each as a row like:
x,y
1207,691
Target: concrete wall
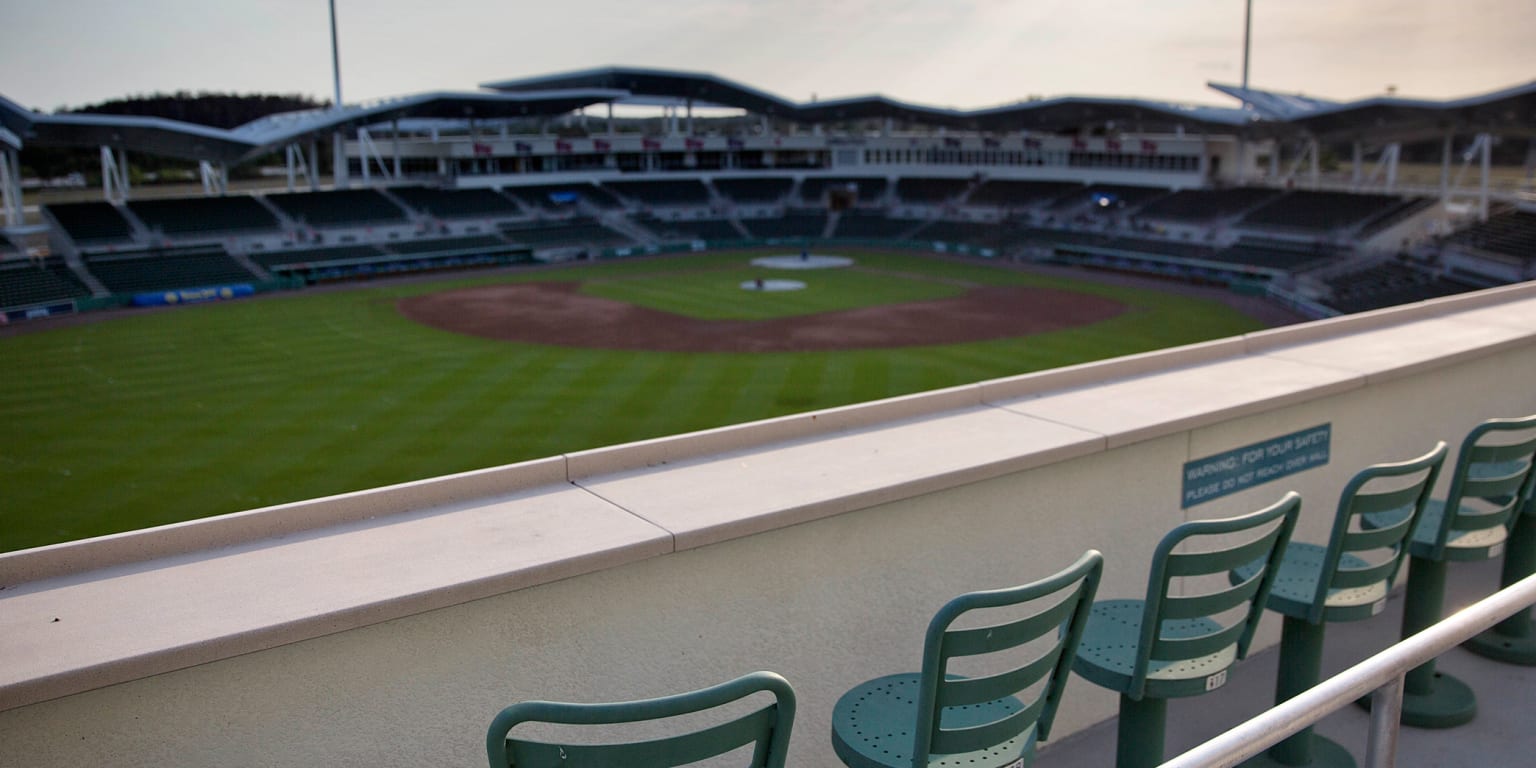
x,y
828,600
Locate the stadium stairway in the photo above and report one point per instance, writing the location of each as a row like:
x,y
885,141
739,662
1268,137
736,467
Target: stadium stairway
x,y
245,261
620,222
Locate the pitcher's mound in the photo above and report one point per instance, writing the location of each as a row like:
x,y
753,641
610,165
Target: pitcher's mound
x,y
772,285
795,261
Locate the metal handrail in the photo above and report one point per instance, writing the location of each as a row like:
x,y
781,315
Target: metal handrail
x,y
1381,676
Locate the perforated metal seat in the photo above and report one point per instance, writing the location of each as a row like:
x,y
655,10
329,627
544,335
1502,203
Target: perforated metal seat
x,y
1346,580
1490,483
938,718
1169,645
880,714
766,728
1107,656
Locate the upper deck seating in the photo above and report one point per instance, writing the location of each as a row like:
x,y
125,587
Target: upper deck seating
x,y
1387,285
1318,211
874,226
576,232
664,192
165,269
1511,233
92,223
25,283
813,189
697,229
797,224
189,215
1005,192
456,203
1206,204
750,190
285,260
345,207
1114,196
561,197
1276,254
448,244
987,234
933,191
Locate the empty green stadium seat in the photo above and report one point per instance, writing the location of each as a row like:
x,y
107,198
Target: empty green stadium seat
x,y
1489,484
1346,579
767,729
1167,645
938,718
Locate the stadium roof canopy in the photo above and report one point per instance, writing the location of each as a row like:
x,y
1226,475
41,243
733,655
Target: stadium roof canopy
x,y
1506,112
188,141
704,89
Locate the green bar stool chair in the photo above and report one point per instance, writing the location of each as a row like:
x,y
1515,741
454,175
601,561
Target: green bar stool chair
x,y
1347,580
938,718
767,728
1513,640
1169,646
1490,481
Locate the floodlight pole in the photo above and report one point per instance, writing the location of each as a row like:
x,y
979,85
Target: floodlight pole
x,y
1247,38
336,59
339,170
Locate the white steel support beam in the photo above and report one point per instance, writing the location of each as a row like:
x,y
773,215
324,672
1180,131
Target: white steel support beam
x,y
1445,167
114,175
314,164
1357,158
1275,147
1386,165
215,178
341,175
10,187
1312,149
298,167
394,129
370,155
1486,172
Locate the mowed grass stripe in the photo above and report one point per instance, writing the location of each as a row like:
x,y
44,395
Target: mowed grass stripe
x,y
216,408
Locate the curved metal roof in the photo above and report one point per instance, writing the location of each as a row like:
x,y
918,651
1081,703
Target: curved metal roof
x,y
1508,112
1511,111
189,141
1052,114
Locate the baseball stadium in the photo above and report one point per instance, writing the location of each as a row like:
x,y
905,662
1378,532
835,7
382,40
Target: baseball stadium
x,y
615,383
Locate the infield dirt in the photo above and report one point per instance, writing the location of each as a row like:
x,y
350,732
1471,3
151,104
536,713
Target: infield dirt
x,y
558,314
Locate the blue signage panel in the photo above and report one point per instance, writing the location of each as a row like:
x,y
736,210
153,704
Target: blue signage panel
x,y
1241,468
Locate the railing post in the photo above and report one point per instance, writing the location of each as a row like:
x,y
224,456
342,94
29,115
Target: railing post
x,y
1386,710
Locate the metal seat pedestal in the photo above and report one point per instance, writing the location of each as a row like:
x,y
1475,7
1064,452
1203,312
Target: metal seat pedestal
x,y
1514,639
1301,661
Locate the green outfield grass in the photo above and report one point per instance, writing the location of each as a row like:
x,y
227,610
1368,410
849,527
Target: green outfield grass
x,y
155,418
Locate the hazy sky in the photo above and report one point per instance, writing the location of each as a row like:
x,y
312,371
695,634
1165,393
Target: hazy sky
x,y
959,53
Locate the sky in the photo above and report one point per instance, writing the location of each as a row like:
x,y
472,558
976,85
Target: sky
x,y
949,53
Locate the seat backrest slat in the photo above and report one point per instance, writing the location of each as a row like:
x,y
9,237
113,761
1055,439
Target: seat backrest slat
x,y
1369,520
1056,628
767,728
979,690
958,740
1166,616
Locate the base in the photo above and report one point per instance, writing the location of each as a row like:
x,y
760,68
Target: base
x,y
1326,753
1450,704
1505,648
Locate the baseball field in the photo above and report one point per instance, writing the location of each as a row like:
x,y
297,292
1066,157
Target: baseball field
x,y
141,419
